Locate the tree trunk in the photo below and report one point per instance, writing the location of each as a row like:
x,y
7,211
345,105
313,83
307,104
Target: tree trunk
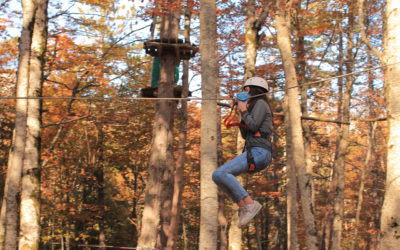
x,y
364,172
235,232
291,180
291,177
99,174
168,63
301,73
367,165
180,162
157,207
252,40
9,223
134,213
376,218
390,220
294,112
340,155
30,191
208,158
328,217
222,220
252,37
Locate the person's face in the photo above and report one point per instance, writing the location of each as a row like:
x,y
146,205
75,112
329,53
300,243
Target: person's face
x,y
247,88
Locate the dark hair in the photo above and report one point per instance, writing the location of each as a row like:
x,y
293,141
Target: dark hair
x,y
255,90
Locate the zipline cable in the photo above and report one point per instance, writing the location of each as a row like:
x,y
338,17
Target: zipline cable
x,y
339,76
184,98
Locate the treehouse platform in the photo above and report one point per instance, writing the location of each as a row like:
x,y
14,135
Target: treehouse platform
x,y
159,47
151,92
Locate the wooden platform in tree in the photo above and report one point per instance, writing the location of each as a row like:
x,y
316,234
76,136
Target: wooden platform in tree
x,y
151,92
182,50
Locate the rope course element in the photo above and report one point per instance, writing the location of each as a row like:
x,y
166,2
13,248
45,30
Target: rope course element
x,y
184,98
340,76
182,50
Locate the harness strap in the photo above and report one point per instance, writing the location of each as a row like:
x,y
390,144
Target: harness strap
x,y
228,120
250,159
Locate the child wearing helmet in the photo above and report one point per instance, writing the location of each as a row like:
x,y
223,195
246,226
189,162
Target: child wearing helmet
x,y
256,129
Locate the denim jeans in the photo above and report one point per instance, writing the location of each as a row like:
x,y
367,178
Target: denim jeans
x,y
225,176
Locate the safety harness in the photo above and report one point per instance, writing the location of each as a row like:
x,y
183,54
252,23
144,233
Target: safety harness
x,y
229,122
250,158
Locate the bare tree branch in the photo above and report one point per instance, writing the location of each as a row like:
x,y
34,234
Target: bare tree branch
x,y
263,14
65,122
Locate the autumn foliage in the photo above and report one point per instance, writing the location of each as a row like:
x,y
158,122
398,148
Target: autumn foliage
x,y
95,152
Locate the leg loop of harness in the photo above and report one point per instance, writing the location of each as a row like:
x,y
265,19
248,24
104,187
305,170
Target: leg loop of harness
x,y
250,160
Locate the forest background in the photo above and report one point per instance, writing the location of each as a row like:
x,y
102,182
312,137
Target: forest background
x,y
102,145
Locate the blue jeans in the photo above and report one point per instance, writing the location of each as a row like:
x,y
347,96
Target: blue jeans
x,y
225,176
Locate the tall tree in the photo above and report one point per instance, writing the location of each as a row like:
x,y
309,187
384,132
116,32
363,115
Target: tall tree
x,y
390,221
9,220
30,190
169,32
328,218
294,120
301,70
159,189
99,175
291,176
235,232
291,179
364,172
253,37
343,141
180,162
371,147
209,137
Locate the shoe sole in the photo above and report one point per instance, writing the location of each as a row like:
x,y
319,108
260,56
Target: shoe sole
x,y
251,218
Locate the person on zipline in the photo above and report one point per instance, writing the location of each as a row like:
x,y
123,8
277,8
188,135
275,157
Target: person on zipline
x,y
256,129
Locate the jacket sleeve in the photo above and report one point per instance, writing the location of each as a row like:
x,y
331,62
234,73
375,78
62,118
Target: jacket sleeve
x,y
255,118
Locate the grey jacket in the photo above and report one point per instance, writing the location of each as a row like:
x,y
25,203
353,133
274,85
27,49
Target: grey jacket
x,y
259,119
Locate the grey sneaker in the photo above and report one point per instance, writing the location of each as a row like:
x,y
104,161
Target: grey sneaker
x,y
247,213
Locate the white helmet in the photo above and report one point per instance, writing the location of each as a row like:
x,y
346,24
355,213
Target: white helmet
x,y
257,81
